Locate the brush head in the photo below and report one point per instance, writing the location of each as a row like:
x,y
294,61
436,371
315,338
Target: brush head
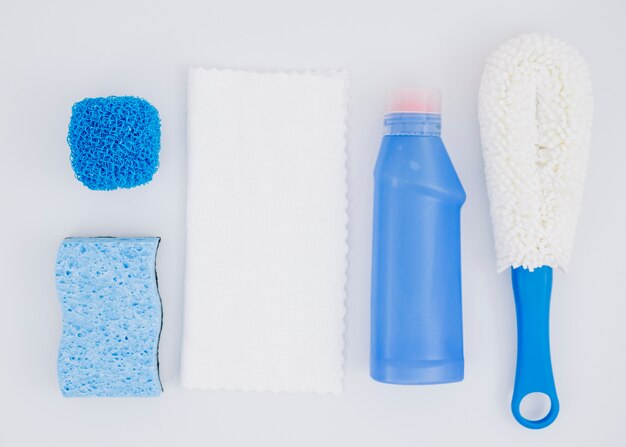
x,y
535,110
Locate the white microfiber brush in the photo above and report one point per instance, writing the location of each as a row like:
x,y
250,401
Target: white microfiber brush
x,y
535,109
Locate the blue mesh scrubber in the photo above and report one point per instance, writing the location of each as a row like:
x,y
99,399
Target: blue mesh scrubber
x,y
111,317
114,142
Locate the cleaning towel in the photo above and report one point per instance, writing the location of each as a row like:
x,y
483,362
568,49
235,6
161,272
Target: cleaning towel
x,y
266,231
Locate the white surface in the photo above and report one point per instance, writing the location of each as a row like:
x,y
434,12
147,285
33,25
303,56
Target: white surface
x,y
54,53
266,231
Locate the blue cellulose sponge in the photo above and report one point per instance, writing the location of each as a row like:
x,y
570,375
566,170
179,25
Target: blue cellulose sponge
x,y
111,317
114,142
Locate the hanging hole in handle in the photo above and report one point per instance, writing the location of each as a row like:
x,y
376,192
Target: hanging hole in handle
x,y
535,406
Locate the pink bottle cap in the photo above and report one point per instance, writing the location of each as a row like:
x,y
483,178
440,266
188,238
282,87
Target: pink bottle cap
x,y
414,100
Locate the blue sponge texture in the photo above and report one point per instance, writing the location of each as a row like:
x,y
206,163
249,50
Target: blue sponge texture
x,y
114,142
111,317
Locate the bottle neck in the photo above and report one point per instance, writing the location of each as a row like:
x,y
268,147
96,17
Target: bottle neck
x,y
412,123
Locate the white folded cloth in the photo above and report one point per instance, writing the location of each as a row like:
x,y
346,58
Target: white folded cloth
x,y
266,231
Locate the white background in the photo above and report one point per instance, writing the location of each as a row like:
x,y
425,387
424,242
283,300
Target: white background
x,y
56,53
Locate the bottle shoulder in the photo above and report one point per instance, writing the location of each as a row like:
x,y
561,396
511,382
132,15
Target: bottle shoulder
x,y
420,162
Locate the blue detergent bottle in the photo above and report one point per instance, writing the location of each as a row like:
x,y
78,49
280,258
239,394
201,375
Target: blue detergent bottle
x,y
416,318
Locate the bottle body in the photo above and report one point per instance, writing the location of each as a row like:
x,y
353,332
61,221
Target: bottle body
x,y
416,317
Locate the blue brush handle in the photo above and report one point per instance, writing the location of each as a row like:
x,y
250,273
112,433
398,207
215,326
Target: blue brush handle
x,y
534,368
